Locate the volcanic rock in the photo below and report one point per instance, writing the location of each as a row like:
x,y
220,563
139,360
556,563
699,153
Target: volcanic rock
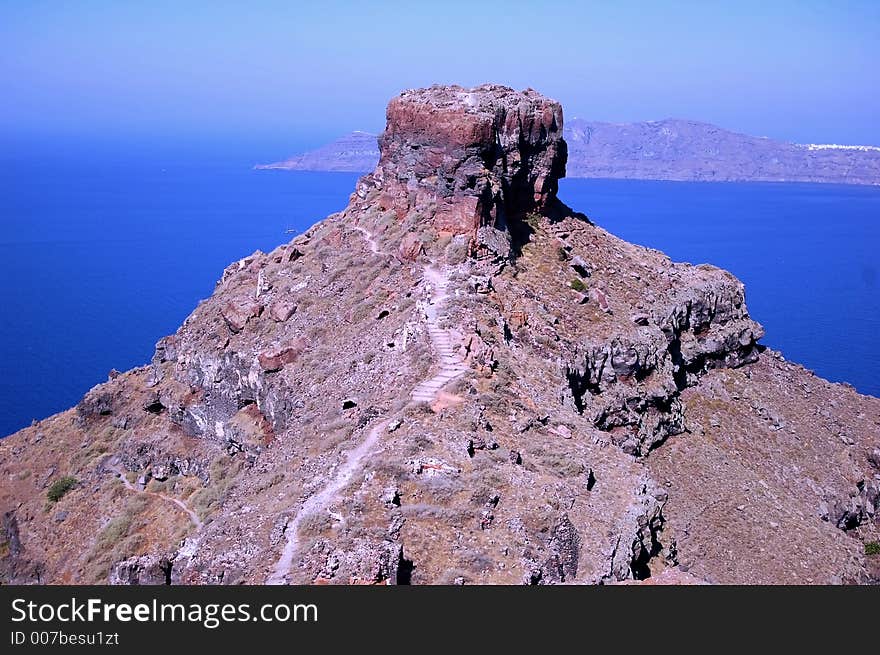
x,y
274,359
281,310
469,157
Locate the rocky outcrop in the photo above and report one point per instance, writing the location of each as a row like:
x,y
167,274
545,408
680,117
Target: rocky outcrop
x,y
16,567
629,385
142,570
363,562
468,158
860,506
561,562
137,456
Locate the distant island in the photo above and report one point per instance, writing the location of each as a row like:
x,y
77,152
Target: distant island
x,y
672,149
357,152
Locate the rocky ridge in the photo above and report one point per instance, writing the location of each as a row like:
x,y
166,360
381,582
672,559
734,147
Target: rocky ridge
x,y
692,151
457,379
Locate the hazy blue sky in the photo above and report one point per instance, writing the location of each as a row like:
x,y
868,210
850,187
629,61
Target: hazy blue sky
x,y
296,73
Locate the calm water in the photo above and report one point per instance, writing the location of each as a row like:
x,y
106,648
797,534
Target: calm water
x,y
99,259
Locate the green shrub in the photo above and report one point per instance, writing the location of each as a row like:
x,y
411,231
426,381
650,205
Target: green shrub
x,y
60,487
223,472
562,464
872,548
578,285
533,221
115,530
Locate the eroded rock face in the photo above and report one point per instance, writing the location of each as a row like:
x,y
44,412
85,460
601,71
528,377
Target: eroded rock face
x,y
142,570
362,562
467,158
16,567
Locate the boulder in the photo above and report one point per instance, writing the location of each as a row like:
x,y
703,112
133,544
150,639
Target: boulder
x,y
274,359
281,310
238,313
142,570
410,248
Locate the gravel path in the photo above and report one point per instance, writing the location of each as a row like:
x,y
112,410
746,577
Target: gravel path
x,y
449,367
321,500
374,247
196,521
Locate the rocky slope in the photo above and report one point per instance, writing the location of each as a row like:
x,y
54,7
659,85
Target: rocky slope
x,y
457,379
656,150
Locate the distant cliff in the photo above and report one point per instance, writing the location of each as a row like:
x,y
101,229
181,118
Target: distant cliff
x,y
693,151
357,152
655,150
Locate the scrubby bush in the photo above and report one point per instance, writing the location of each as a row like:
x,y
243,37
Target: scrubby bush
x,y
60,487
391,470
872,548
168,485
443,488
331,439
206,499
578,285
454,576
267,481
314,524
222,474
115,530
120,537
475,561
562,464
457,251
419,443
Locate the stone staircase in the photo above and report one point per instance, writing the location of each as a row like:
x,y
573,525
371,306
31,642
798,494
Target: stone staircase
x,y
450,364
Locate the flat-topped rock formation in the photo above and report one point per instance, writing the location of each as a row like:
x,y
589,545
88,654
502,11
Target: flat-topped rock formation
x,y
457,379
467,158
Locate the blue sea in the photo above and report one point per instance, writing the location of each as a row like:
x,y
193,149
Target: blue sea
x,y
101,256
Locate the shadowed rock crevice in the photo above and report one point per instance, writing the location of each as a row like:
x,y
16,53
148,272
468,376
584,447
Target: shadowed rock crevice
x,y
646,546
